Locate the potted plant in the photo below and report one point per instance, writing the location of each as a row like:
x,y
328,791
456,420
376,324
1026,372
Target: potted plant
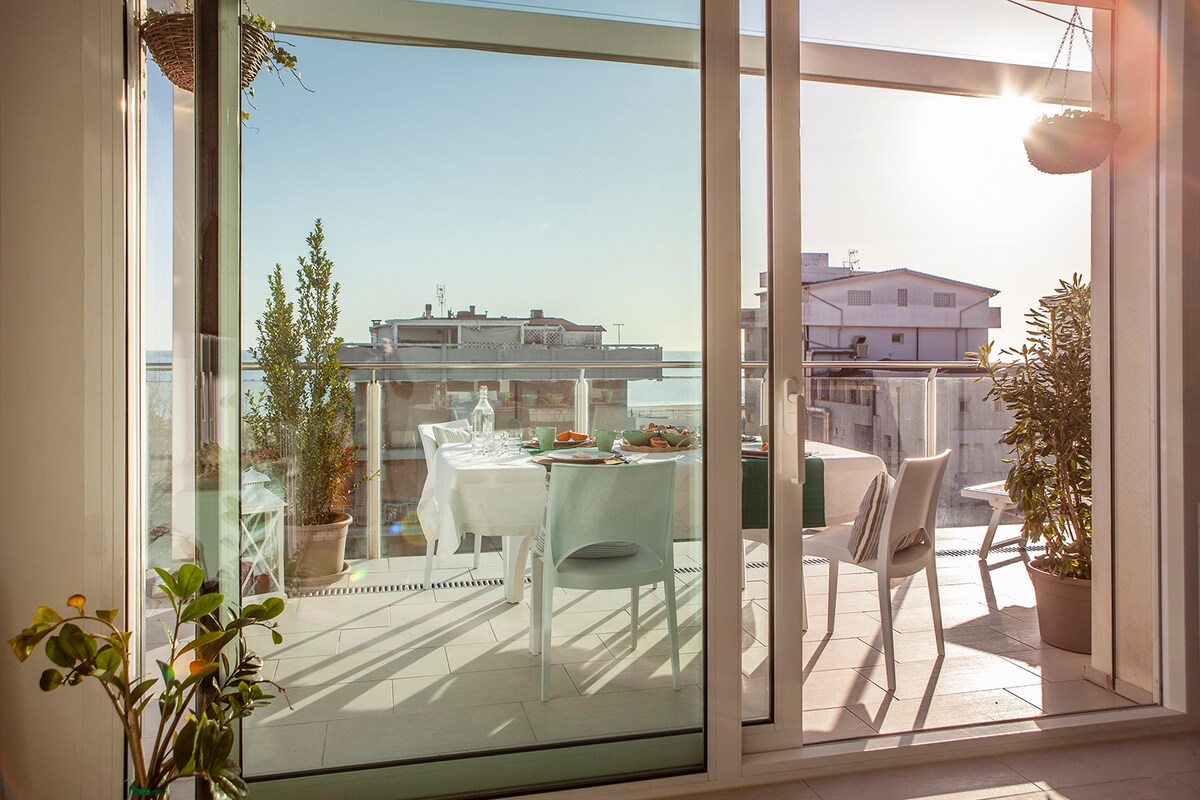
x,y
200,690
305,413
170,38
1048,388
1073,141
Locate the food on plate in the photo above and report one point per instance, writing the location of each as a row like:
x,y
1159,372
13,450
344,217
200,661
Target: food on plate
x,y
672,429
571,436
766,446
658,441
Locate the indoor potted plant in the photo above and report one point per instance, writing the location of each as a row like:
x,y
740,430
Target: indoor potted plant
x,y
197,705
1047,386
305,413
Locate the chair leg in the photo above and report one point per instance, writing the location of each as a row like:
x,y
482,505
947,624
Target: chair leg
x,y
672,628
633,612
478,547
535,608
429,548
743,565
885,619
833,578
935,604
547,615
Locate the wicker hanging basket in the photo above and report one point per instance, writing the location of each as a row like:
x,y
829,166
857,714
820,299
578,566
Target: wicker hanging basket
x,y
171,42
1073,141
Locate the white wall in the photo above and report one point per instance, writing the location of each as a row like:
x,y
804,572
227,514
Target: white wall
x,y
61,400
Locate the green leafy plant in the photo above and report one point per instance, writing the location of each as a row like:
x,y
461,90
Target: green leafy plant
x,y
1047,386
306,410
196,710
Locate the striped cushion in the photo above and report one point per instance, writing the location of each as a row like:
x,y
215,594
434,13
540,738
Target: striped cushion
x,y
602,550
864,537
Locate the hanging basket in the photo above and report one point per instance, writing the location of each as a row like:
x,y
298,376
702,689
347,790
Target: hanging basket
x,y
1073,141
171,41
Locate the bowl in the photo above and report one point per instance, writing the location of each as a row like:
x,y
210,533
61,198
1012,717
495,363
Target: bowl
x,y
637,438
678,439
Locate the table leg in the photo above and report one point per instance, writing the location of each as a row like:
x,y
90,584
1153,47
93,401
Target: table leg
x,y
993,524
516,553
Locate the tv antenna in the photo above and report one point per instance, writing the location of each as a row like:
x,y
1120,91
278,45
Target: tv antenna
x,y
441,298
851,259
618,326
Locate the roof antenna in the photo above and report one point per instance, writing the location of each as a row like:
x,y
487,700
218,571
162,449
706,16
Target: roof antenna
x,y
441,298
851,259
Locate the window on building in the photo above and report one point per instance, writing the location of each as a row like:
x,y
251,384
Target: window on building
x,y
897,338
945,299
902,297
858,297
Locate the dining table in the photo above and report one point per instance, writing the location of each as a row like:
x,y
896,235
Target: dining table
x,y
505,495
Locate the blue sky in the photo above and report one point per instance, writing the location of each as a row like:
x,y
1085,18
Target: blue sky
x,y
574,186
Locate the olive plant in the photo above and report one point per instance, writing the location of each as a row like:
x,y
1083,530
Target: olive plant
x,y
196,709
1047,385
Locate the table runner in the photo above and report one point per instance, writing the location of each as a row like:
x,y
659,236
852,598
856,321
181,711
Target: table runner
x,y
756,480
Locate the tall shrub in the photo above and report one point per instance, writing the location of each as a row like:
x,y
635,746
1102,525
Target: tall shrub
x,y
1047,386
305,412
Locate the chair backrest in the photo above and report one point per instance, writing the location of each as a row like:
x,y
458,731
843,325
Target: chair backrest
x,y
913,502
595,504
429,438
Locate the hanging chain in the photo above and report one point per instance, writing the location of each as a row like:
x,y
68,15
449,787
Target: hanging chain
x,y
1068,41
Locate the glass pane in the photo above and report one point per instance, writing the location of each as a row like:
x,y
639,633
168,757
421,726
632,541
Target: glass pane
x,y
1016,33
517,243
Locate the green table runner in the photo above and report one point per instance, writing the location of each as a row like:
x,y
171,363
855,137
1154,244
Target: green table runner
x,y
756,480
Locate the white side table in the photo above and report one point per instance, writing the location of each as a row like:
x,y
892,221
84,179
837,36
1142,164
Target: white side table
x,y
261,538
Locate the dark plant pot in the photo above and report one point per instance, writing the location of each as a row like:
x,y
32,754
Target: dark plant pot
x,y
320,550
1064,609
1070,142
136,793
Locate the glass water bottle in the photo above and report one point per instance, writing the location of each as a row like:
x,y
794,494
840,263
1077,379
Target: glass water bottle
x,y
483,422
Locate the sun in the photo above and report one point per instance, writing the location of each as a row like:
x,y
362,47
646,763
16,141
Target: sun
x,y
1014,113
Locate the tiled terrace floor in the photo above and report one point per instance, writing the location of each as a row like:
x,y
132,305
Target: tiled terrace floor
x,y
381,676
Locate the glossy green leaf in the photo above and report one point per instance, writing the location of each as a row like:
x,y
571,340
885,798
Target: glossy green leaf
x,y
57,655
191,578
51,679
201,606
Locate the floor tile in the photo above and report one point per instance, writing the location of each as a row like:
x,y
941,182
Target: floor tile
x,y
943,710
1103,761
1069,697
959,780
514,653
362,665
946,676
400,736
829,724
613,713
322,703
273,749
643,671
476,689
1052,664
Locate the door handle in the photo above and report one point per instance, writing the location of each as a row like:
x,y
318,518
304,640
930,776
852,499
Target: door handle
x,y
791,424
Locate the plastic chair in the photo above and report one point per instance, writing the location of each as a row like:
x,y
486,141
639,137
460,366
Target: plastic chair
x,y
430,445
911,506
590,505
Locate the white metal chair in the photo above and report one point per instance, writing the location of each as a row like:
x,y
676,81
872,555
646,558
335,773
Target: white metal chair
x,y
591,505
911,506
430,445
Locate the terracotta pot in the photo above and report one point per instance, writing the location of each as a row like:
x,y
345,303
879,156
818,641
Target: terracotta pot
x,y
320,549
1064,609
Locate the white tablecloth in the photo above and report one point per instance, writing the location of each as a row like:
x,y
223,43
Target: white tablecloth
x,y
848,473
506,496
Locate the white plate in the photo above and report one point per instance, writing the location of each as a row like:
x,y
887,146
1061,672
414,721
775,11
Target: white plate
x,y
581,456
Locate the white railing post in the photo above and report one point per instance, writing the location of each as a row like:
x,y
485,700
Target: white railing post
x,y
931,413
581,403
374,463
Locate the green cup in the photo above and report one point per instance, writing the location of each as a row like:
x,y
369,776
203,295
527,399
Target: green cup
x,y
764,433
545,437
605,439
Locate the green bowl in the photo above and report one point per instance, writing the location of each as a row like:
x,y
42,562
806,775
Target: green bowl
x,y
637,438
678,439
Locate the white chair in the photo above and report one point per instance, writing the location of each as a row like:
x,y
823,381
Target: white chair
x,y
591,505
911,507
430,445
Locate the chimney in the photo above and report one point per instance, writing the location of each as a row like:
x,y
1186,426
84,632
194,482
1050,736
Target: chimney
x,y
537,313
472,310
428,310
